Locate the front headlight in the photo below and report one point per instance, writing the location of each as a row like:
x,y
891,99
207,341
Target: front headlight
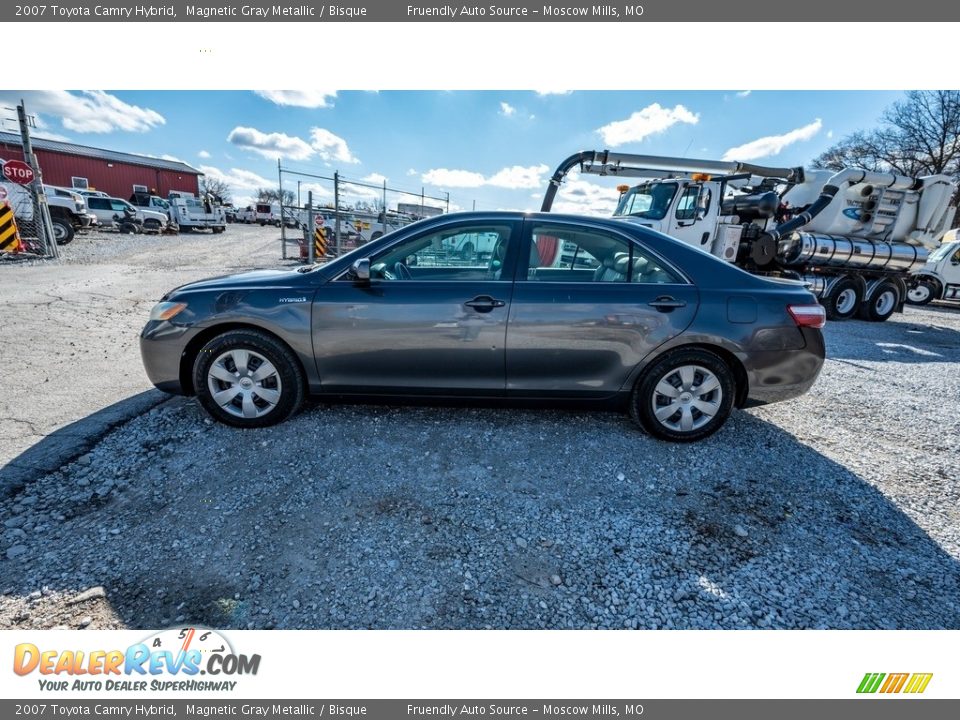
x,y
166,310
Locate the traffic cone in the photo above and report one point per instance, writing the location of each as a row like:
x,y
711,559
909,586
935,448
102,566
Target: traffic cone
x,y
10,241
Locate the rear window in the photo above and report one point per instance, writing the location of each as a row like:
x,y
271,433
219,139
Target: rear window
x,y
263,208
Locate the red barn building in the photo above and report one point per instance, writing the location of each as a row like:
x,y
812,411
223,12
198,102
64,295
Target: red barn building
x,y
82,167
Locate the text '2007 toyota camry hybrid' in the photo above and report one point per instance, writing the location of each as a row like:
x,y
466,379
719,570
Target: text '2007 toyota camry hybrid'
x,y
495,305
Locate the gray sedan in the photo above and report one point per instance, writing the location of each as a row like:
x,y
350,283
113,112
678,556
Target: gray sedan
x,y
548,307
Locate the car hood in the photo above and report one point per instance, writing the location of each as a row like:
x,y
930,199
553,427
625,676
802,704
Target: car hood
x,y
244,281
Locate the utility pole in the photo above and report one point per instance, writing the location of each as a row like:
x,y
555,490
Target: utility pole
x,y
41,211
336,205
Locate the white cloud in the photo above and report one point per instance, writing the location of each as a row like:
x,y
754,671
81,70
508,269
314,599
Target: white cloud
x,y
744,93
506,109
243,184
172,158
88,111
512,178
651,120
375,179
772,144
543,93
453,178
299,98
330,147
829,134
203,154
270,145
517,177
582,197
412,171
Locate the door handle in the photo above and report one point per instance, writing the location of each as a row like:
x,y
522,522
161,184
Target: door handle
x,y
665,303
484,303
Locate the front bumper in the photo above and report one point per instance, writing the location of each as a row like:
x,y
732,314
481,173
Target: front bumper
x,y
162,346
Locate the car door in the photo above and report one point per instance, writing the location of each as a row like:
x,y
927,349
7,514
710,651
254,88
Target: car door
x,y
589,303
430,321
101,208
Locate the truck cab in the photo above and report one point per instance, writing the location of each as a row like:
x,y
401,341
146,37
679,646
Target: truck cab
x,y
685,208
939,278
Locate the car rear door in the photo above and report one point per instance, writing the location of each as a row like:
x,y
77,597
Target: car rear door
x,y
435,326
589,303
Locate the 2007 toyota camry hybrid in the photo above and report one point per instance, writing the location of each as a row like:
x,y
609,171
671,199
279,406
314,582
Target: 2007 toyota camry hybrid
x,y
495,305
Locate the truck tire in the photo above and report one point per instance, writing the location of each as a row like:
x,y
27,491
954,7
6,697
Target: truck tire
x,y
63,231
842,299
376,236
880,303
923,292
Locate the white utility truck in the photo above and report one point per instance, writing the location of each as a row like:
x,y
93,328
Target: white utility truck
x,y
939,278
853,236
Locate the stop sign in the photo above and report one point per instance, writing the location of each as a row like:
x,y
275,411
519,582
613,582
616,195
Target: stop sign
x,y
18,172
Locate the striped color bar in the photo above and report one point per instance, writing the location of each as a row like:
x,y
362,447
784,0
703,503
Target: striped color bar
x,y
9,235
871,682
918,682
893,683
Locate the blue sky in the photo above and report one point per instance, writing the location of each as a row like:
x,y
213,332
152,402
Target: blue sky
x,y
489,150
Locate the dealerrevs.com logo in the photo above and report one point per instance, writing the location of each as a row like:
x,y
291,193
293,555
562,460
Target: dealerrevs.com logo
x,y
169,660
908,683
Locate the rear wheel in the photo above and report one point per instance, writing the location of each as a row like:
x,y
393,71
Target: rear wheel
x,y
923,292
842,300
248,379
63,231
881,302
684,396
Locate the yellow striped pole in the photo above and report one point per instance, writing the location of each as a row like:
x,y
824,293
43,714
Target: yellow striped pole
x,y
10,241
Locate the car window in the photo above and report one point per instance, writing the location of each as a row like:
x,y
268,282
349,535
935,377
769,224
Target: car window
x,y
98,204
687,205
564,253
472,252
118,206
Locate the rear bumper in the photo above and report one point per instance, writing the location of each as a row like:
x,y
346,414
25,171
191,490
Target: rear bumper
x,y
785,374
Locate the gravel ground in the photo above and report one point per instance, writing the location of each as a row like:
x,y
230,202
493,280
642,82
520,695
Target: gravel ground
x,y
837,510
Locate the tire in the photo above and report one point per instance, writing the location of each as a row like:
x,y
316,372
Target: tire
x,y
466,252
675,381
843,299
924,292
240,405
217,230
376,236
880,303
63,231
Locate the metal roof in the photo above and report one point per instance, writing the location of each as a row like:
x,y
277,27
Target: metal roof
x,y
7,138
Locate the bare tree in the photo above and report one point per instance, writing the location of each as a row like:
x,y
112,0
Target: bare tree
x,y
919,135
216,187
274,195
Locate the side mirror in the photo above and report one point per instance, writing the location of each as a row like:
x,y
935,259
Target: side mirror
x,y
361,270
703,203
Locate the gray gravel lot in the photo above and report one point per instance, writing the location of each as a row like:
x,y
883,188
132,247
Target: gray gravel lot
x,y
838,510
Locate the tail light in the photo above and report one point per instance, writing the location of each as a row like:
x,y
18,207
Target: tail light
x,y
808,315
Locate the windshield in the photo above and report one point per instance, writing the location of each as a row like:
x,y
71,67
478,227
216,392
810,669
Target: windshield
x,y
941,252
651,200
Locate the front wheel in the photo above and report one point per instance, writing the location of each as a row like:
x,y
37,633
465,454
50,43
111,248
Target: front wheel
x,y
684,396
923,292
248,379
63,231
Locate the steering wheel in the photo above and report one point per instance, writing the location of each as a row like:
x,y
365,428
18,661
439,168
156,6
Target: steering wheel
x,y
402,271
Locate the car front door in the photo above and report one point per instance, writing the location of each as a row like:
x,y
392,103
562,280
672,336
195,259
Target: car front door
x,y
430,321
588,305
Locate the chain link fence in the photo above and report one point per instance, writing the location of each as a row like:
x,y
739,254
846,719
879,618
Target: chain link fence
x,y
350,212
38,230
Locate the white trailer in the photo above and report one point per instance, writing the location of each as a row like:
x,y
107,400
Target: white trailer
x,y
854,236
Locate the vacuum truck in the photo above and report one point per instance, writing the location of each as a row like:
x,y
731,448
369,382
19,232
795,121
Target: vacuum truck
x,y
853,236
